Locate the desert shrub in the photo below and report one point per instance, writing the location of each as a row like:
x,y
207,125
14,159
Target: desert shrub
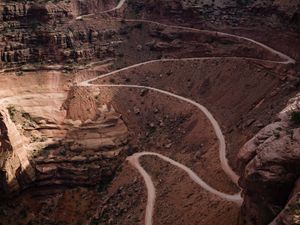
x,y
295,117
23,214
12,111
94,222
243,2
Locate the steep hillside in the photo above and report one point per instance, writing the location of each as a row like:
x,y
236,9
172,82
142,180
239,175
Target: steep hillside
x,y
149,112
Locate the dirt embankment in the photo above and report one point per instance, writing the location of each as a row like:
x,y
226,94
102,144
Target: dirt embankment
x,y
223,85
85,143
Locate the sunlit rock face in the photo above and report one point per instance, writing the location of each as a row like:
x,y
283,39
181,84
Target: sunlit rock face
x,y
60,141
5,151
54,135
80,104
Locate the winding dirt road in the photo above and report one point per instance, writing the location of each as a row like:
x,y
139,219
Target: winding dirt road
x,y
134,159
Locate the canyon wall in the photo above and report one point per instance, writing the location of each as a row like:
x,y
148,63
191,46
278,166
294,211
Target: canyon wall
x,y
80,7
245,13
48,33
270,162
83,149
36,34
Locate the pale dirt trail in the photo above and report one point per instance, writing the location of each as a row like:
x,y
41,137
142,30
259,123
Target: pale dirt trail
x,y
120,4
134,159
151,193
222,145
286,58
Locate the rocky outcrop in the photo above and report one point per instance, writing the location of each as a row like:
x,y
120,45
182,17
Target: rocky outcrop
x,y
92,6
5,151
270,162
82,149
15,165
80,104
277,13
89,152
33,33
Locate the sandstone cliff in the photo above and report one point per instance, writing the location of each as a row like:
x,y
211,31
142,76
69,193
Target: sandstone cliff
x,y
36,34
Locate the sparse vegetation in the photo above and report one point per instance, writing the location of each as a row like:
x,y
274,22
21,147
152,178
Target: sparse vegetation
x,y
19,73
94,222
12,112
23,214
112,80
295,117
243,2
63,152
276,134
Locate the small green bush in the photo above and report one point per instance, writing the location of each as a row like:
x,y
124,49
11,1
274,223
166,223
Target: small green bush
x,y
295,117
243,2
94,222
23,214
12,111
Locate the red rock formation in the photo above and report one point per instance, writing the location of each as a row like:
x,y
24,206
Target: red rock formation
x,y
270,163
80,104
35,33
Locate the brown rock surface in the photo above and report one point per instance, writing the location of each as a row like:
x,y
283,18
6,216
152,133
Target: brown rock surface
x,y
40,146
63,149
270,163
80,104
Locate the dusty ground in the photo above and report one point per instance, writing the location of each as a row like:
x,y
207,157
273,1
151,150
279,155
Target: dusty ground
x,y
243,96
184,134
183,202
222,85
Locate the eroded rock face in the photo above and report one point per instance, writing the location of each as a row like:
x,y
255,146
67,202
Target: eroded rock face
x,y
88,153
72,153
33,33
93,6
16,166
5,152
80,104
271,165
237,12
46,144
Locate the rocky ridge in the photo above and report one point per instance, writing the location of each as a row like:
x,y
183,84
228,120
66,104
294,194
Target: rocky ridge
x,y
88,146
74,151
270,162
211,13
33,33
